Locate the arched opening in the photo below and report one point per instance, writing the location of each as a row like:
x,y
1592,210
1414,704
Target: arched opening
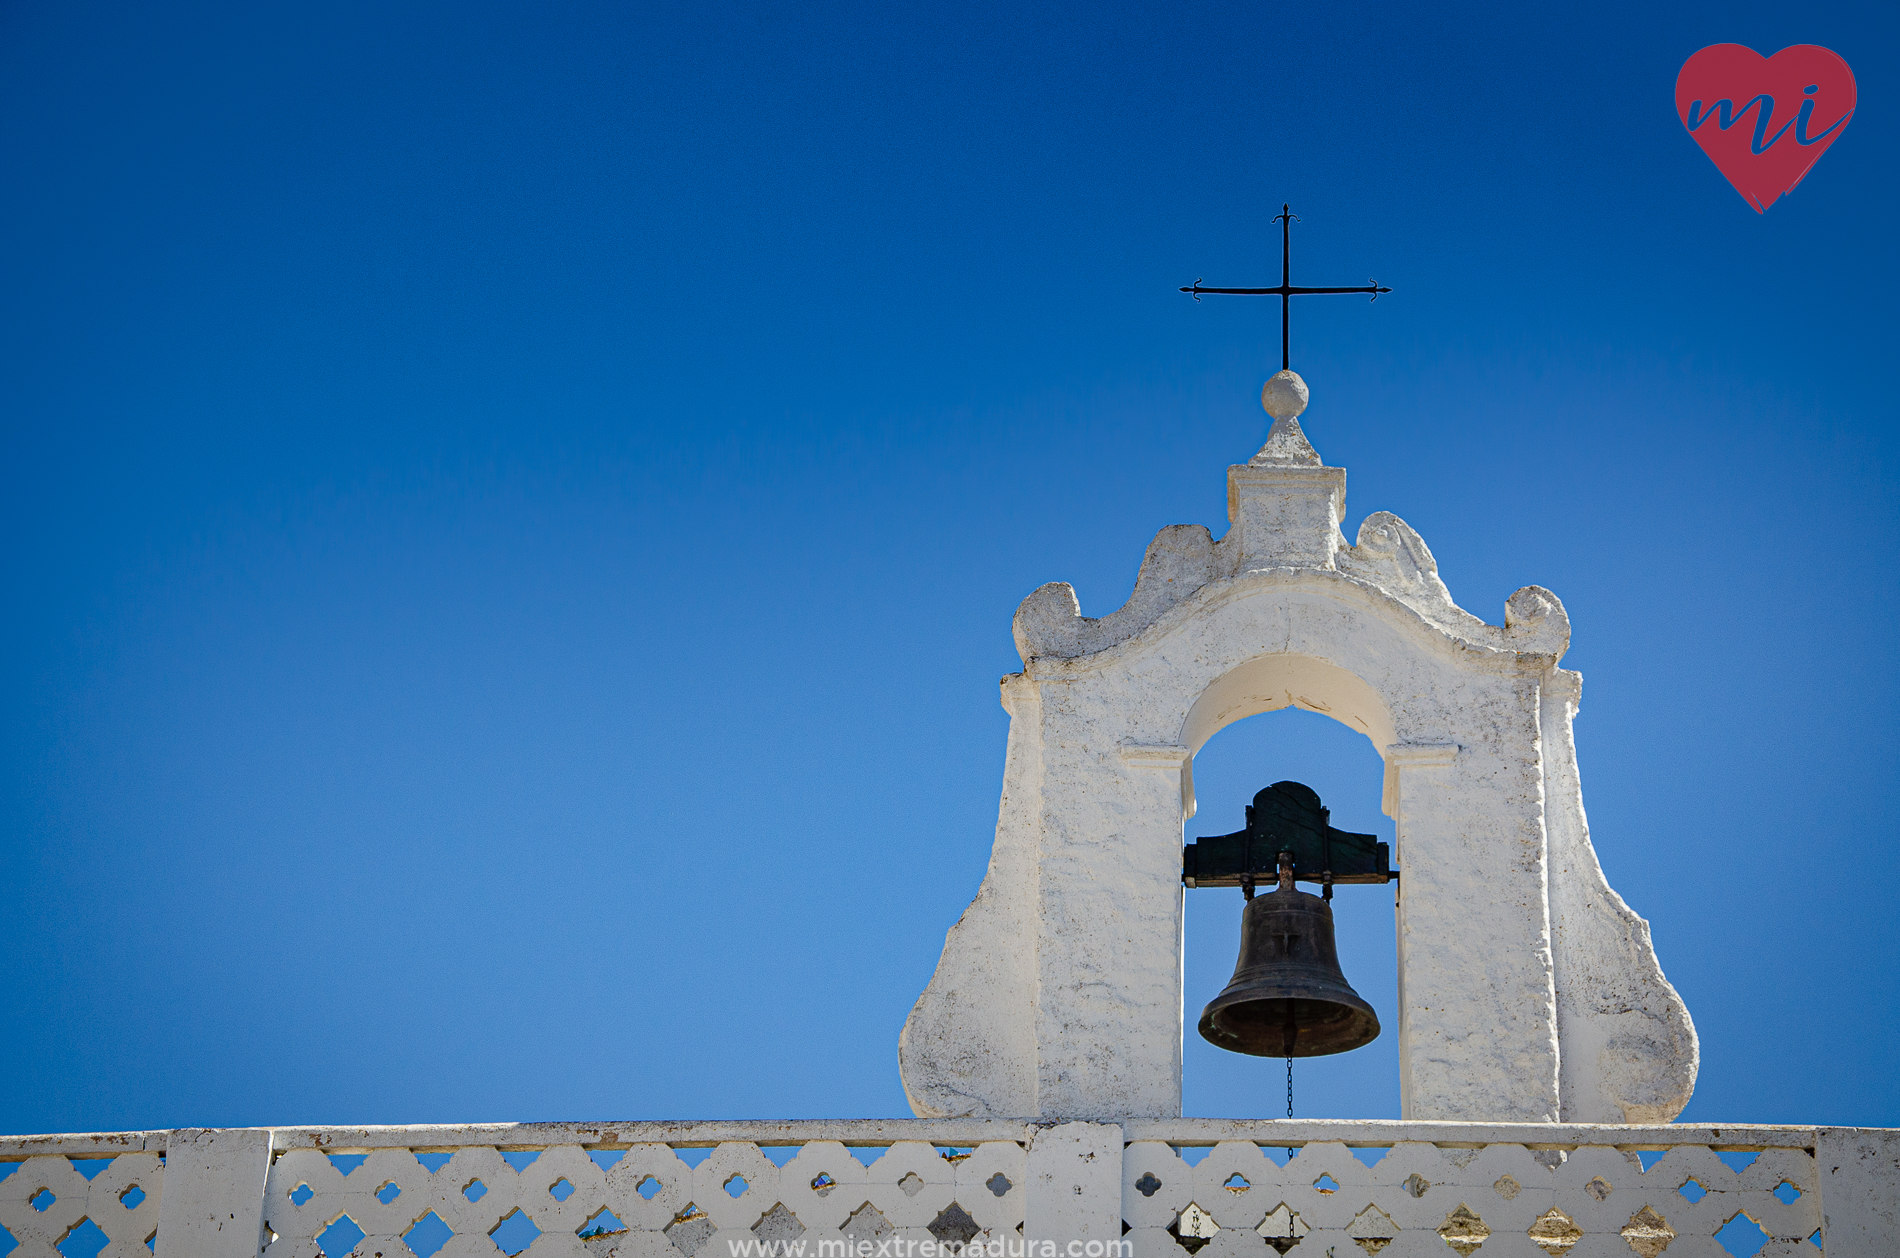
x,y
1262,723
1269,683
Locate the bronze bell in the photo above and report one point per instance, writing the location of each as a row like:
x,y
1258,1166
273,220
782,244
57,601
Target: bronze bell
x,y
1288,997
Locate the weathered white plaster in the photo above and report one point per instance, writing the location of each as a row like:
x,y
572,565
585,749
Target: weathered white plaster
x,y
1859,1172
1284,396
1529,990
1630,1051
1075,1181
213,1205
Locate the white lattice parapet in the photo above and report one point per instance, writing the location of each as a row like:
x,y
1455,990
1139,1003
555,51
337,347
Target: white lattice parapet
x,y
935,1188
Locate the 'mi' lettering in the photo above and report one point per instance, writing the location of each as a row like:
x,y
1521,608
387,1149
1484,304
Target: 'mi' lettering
x,y
1726,116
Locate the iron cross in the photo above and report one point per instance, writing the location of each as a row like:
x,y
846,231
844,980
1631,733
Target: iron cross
x,y
1287,289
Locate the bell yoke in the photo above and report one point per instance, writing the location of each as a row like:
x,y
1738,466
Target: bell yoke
x,y
1288,997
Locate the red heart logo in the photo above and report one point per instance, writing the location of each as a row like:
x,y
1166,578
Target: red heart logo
x,y
1764,121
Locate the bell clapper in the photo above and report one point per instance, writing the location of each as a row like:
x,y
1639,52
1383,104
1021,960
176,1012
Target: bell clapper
x,y
1286,871
1326,881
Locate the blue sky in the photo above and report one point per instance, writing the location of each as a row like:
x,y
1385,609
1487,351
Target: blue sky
x,y
514,512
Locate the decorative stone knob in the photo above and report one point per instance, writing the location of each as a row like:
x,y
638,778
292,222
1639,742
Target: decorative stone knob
x,y
1284,395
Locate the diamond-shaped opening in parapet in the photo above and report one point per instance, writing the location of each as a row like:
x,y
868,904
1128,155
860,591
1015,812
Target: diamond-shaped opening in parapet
x,y
693,1155
822,1184
151,1242
999,1185
433,1162
1236,1183
1554,1232
778,1154
778,1226
1280,1154
514,1233
1192,1153
560,1189
1787,1193
689,1230
426,1235
474,1190
1327,1184
1738,1160
347,1162
1599,1188
866,1153
300,1194
649,1188
954,1226
912,1184
1742,1237
1147,1185
1372,1154
1814,1239
519,1160
340,1237
1647,1158
1647,1232
7,1169
606,1159
1464,1230
602,1222
42,1200
7,1242
950,1153
131,1197
83,1240
388,1192
1693,1190
90,1167
735,1186
1193,1227
867,1223
1283,1228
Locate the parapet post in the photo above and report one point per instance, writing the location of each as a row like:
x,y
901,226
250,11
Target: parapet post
x,y
213,1205
1075,1186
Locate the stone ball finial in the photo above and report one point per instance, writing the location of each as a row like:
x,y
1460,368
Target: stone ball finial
x,y
1284,395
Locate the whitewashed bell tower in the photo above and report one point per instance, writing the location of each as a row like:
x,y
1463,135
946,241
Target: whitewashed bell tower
x,y
1528,990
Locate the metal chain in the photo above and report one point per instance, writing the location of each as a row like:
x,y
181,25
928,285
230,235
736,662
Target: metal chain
x,y
1289,1113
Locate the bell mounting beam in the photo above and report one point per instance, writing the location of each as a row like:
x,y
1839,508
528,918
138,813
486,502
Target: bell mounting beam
x,y
1287,289
1288,819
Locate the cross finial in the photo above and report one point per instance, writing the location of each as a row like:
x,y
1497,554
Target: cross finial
x,y
1287,289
